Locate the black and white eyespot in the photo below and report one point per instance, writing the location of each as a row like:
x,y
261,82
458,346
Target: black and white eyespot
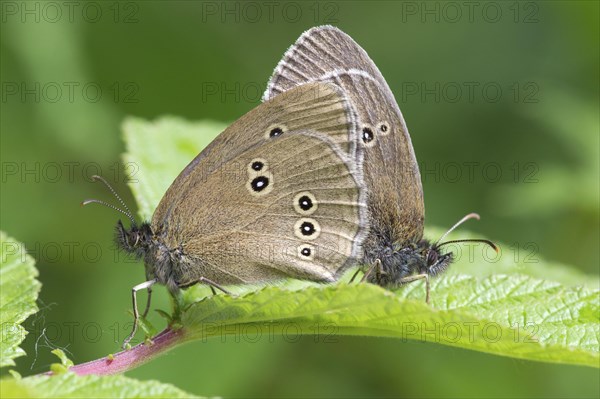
x,y
257,166
275,130
260,184
307,229
306,252
384,128
305,203
368,136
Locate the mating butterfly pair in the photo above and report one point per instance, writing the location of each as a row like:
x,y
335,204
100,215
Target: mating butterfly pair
x,y
331,181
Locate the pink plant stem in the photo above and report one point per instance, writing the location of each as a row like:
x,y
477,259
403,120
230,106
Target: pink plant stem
x,y
134,357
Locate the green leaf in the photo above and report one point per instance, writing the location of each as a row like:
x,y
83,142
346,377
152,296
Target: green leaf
x,y
504,306
18,292
516,316
69,385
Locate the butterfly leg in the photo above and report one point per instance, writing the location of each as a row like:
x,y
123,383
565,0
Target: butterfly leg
x,y
375,267
136,315
354,276
148,302
208,282
213,285
416,277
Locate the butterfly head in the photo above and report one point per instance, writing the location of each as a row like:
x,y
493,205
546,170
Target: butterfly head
x,y
400,262
136,240
435,261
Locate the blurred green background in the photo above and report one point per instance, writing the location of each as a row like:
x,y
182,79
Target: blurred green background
x,y
501,99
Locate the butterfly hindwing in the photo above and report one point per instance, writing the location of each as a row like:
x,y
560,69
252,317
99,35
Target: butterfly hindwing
x,y
295,210
279,193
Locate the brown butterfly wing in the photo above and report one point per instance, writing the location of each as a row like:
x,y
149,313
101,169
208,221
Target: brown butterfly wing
x,y
231,232
395,193
229,235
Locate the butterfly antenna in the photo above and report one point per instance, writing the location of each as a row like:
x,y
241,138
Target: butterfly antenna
x,y
461,221
482,240
125,212
95,201
112,190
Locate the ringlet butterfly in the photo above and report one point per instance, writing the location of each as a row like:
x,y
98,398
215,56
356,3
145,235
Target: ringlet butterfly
x,y
394,248
279,193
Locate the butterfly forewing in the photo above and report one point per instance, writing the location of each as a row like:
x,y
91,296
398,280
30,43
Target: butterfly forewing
x,y
317,52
